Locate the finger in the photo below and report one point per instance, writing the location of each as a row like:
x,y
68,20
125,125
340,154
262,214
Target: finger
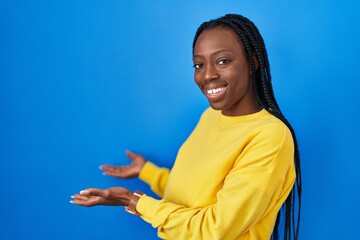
x,y
91,192
114,171
85,203
80,197
106,167
117,171
81,200
130,155
112,168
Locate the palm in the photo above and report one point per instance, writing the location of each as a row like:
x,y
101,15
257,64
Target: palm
x,y
108,197
91,201
128,171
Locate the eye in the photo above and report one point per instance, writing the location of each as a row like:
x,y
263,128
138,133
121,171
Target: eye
x,y
223,61
198,65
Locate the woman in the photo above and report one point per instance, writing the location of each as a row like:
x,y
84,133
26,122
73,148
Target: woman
x,y
237,169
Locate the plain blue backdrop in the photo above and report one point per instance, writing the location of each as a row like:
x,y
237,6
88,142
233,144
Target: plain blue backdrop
x,y
82,81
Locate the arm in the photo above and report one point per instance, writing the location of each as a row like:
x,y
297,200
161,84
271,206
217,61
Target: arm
x,y
156,177
256,187
148,172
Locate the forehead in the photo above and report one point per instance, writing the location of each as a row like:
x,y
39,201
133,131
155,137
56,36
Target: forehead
x,y
216,39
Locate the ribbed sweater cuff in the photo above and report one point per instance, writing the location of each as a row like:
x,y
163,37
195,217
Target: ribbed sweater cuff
x,y
148,171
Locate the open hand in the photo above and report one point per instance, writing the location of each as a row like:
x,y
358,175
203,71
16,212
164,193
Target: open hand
x,y
128,171
109,197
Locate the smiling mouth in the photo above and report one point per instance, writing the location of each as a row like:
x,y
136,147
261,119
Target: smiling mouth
x,y
215,90
215,93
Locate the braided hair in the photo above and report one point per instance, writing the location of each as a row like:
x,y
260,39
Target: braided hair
x,y
254,46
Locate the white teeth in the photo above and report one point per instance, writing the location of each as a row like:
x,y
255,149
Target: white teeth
x,y
215,90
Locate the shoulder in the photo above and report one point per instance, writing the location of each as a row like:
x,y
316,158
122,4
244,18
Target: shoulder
x,y
270,144
273,128
270,134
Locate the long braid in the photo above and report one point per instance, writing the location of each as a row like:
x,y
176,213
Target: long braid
x,y
258,47
254,46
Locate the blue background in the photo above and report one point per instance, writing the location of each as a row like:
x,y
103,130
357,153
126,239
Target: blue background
x,y
82,81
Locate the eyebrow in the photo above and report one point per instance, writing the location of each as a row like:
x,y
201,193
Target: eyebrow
x,y
214,53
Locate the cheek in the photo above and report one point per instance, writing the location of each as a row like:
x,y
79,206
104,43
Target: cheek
x,y
240,76
197,78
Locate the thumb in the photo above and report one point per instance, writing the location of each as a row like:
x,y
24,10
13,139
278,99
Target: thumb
x,y
130,154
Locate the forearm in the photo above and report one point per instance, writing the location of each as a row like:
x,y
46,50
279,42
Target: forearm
x,y
217,221
155,176
239,206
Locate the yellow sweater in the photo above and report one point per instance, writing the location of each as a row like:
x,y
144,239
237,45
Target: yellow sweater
x,y
229,180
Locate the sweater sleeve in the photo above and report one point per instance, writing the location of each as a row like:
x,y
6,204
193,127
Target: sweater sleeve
x,y
155,176
258,183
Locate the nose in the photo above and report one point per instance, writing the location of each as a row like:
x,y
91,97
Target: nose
x,y
210,73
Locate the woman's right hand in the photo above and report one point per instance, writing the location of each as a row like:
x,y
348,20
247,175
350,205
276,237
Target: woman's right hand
x,y
129,171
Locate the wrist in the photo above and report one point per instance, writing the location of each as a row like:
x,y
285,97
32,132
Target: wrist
x,y
128,198
141,167
131,208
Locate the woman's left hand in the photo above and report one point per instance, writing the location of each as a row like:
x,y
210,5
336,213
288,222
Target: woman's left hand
x,y
109,197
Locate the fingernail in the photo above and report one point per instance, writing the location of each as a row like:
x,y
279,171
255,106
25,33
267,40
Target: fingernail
x,y
100,167
72,196
71,201
82,192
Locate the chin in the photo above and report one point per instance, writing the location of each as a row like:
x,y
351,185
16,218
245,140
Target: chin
x,y
216,106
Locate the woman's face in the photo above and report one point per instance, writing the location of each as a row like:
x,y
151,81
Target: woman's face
x,y
222,72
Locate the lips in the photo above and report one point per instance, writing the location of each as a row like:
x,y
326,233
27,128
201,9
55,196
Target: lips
x,y
214,93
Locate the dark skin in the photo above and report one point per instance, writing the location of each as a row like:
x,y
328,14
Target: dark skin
x,y
116,196
223,73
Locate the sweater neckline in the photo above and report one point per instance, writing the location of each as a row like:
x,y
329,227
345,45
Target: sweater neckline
x,y
238,119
